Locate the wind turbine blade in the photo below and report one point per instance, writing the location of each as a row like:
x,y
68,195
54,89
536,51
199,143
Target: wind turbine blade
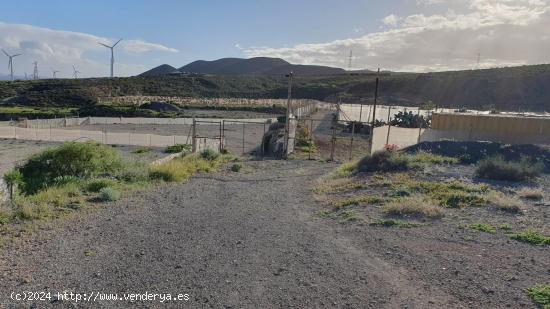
x,y
5,53
117,42
17,55
104,45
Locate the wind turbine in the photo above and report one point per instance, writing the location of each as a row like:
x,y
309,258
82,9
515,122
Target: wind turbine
x,y
112,54
10,63
54,72
75,72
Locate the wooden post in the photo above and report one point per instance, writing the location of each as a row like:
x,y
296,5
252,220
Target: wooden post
x,y
351,140
419,126
243,138
288,106
333,144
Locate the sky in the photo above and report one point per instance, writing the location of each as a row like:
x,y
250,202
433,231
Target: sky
x,y
398,35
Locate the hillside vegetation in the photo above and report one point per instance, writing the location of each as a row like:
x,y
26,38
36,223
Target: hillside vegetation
x,y
517,88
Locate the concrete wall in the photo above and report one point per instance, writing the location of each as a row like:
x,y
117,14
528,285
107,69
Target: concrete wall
x,y
495,128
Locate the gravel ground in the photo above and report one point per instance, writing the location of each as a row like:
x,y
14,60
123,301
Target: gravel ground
x,y
246,240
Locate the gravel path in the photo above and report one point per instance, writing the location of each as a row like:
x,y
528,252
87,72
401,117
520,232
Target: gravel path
x,y
247,240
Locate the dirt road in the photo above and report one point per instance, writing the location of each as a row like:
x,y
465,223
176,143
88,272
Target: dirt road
x,y
246,240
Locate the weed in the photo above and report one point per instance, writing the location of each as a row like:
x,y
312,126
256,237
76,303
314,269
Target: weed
x,y
505,226
325,213
482,227
337,185
369,200
66,196
5,217
108,194
95,185
177,148
413,205
236,167
142,150
345,170
209,154
540,294
468,238
180,169
531,193
430,158
531,237
383,161
349,215
497,168
394,223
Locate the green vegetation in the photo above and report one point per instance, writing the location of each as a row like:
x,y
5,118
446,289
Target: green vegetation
x,y
367,200
486,228
344,170
497,168
394,223
80,160
349,215
177,148
505,226
335,185
540,294
142,150
48,188
325,213
531,237
209,154
505,203
430,158
236,167
13,179
109,194
383,161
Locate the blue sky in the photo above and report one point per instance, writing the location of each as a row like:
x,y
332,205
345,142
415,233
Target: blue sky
x,y
393,34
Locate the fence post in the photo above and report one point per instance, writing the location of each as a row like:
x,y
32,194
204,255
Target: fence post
x,y
351,140
223,133
333,144
263,142
419,126
389,126
129,138
149,140
243,138
310,136
15,132
193,138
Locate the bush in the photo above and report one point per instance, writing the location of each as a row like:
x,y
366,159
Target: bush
x,y
236,167
63,196
506,203
109,194
13,178
95,185
177,148
532,237
180,169
81,160
497,168
482,227
531,193
5,217
383,161
209,154
540,294
134,173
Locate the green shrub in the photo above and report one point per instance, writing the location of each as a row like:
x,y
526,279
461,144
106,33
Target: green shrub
x,y
487,228
95,185
177,148
109,194
63,180
540,294
532,237
5,217
383,161
236,167
13,178
81,160
497,168
430,158
134,172
209,154
142,150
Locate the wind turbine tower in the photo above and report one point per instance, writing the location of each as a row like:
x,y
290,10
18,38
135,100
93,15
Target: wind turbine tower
x,y
54,73
75,73
112,54
350,58
35,72
10,63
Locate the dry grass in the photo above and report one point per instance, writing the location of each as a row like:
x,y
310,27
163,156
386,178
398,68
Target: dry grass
x,y
358,200
337,185
505,203
413,205
531,193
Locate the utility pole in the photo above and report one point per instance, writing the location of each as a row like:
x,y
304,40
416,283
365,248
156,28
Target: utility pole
x,y
35,72
371,139
288,113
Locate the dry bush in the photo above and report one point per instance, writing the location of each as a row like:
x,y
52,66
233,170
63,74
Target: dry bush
x,y
531,193
413,205
505,203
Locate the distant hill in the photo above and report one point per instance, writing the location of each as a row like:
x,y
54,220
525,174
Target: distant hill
x,y
523,88
254,66
162,69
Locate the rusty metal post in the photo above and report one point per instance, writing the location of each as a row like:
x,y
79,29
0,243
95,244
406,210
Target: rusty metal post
x,y
193,139
389,126
310,137
243,138
351,140
333,143
419,126
263,142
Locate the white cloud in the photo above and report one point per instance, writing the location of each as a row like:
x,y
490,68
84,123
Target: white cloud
x,y
505,32
61,49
